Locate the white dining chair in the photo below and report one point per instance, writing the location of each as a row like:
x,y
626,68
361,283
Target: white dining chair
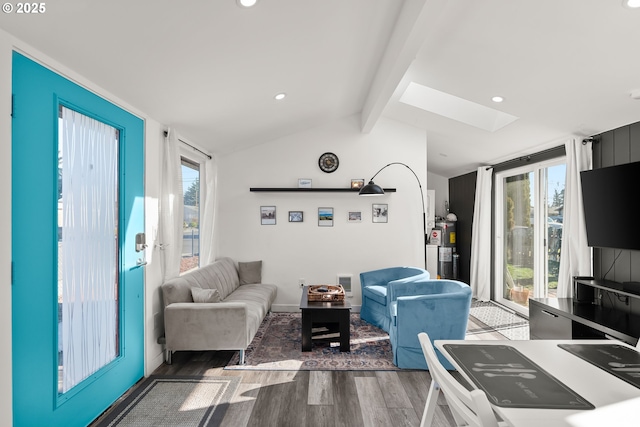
x,y
469,408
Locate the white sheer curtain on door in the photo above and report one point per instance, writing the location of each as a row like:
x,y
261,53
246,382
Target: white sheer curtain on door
x,y
575,254
208,214
481,236
88,247
171,207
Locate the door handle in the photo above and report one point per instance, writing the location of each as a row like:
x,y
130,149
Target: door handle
x,y
139,264
548,314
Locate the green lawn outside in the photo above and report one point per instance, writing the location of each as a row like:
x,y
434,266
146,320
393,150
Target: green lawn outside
x,y
523,276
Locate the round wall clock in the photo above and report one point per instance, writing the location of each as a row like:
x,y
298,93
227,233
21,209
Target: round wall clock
x,y
328,162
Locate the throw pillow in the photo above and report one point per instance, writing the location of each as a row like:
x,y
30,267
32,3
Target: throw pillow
x,y
205,295
250,272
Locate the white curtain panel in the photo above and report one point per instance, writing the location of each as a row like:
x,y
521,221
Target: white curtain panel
x,y
481,236
88,270
208,214
171,207
575,254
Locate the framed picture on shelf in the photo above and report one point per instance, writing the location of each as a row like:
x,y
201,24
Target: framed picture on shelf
x,y
325,217
304,183
380,212
357,184
295,216
354,216
267,215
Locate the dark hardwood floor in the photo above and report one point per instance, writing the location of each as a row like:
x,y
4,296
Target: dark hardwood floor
x,y
320,398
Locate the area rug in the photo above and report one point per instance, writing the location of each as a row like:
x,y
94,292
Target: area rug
x,y
278,346
500,319
169,401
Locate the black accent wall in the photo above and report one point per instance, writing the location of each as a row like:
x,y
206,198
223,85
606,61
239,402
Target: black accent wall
x,y
616,147
462,196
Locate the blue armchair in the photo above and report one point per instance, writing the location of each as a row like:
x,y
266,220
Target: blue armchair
x,y
438,307
375,301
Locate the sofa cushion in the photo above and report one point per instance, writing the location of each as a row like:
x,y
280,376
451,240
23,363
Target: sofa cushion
x,y
205,295
378,293
221,275
250,272
258,299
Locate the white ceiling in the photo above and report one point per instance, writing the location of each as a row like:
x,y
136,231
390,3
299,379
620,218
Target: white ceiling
x,y
211,69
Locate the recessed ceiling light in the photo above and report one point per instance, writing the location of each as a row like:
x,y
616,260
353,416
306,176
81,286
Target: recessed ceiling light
x,y
247,3
632,4
280,96
497,99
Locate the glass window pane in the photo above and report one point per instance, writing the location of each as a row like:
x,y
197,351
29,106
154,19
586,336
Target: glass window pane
x,y
88,291
191,226
556,177
519,231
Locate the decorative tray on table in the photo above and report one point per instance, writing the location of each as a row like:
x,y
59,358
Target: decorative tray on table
x,y
326,293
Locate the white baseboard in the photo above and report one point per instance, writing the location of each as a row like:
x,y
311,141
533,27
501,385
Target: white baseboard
x,y
153,364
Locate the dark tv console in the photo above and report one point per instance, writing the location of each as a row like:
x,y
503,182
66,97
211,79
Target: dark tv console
x,y
586,315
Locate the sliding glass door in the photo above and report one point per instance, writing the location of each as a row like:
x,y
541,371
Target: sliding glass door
x,y
529,216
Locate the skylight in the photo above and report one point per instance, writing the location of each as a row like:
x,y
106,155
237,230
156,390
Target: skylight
x,y
455,108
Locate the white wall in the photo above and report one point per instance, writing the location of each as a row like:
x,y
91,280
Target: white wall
x,y
153,139
441,186
291,251
153,315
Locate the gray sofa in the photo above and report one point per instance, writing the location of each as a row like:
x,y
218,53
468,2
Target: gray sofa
x,y
232,304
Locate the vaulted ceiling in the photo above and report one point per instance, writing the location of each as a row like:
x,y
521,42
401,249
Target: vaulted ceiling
x,y
212,69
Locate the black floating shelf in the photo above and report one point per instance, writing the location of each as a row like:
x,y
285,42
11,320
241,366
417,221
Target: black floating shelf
x,y
312,190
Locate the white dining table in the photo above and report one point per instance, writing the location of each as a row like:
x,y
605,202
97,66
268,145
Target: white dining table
x,y
617,403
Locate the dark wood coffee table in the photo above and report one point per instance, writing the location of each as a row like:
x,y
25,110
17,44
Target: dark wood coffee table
x,y
325,313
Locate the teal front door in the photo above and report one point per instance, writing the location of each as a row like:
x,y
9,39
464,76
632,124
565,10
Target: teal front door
x,y
77,288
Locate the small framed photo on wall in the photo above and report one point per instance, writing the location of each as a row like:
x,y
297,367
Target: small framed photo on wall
x,y
295,216
304,183
380,212
267,215
357,184
325,217
354,216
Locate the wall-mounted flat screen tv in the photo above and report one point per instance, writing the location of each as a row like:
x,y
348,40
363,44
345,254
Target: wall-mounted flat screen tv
x,y
610,197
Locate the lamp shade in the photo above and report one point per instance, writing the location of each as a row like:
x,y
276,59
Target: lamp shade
x,y
371,189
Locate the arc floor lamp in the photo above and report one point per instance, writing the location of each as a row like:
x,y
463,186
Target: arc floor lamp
x,y
372,189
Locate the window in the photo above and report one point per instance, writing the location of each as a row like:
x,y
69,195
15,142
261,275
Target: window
x,y
529,216
88,241
191,225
